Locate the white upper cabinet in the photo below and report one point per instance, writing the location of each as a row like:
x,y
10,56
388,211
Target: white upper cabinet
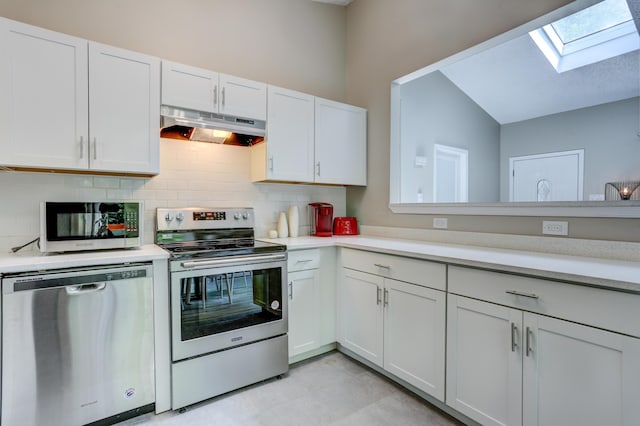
x,y
243,98
311,140
189,87
43,98
290,136
340,143
198,89
76,105
124,105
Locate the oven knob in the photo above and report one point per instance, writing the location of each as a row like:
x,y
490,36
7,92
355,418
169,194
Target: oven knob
x,y
180,217
236,216
168,217
245,215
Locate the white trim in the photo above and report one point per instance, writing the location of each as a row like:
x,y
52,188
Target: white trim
x,y
462,155
630,209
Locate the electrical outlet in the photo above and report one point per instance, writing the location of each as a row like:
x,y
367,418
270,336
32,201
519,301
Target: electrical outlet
x,y
555,228
440,222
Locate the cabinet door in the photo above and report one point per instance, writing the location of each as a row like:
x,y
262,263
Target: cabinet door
x,y
574,374
290,135
43,98
189,87
414,335
340,143
361,314
304,298
243,98
484,361
124,101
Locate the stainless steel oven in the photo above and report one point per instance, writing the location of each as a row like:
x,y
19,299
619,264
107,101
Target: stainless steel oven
x,y
225,302
228,302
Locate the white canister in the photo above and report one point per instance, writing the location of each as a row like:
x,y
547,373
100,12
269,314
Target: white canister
x,y
283,228
294,221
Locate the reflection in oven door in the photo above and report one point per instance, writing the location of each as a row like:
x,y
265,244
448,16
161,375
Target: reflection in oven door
x,y
223,302
218,308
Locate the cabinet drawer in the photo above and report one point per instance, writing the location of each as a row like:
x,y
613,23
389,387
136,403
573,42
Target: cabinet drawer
x,y
416,271
610,310
302,260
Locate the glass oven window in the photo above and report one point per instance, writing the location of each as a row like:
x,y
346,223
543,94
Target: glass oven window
x,y
212,304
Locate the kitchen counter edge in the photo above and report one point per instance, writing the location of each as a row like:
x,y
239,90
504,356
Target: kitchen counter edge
x,y
616,275
33,261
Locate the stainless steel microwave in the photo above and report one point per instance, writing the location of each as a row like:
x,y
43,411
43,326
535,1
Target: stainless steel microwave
x,y
77,226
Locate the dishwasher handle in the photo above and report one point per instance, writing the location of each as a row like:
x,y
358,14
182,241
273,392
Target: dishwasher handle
x,y
78,290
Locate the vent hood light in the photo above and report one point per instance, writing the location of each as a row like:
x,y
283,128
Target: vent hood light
x,y
202,121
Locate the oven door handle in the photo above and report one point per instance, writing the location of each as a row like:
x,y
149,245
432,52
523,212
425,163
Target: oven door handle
x,y
233,260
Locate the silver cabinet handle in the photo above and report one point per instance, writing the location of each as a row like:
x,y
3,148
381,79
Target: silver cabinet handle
x,y
529,349
378,297
223,96
215,95
518,293
386,297
304,261
514,337
81,147
382,266
290,290
271,163
318,168
95,149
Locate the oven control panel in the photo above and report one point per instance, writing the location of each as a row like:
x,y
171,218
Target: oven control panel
x,y
209,215
191,218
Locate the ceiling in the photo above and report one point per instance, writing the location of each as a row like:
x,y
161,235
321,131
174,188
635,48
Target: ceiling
x,y
514,81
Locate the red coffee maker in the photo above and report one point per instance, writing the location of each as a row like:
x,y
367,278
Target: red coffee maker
x,y
321,219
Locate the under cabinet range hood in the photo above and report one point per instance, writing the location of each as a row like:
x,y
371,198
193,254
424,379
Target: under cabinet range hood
x,y
204,126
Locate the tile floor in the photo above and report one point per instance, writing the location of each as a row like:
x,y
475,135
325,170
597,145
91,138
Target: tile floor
x,y
328,390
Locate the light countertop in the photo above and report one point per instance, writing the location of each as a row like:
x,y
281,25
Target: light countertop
x,y
612,274
34,261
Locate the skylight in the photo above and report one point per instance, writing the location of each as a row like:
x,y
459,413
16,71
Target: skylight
x,y
599,32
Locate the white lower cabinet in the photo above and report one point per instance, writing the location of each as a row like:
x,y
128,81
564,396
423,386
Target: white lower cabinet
x,y
396,325
311,287
507,365
304,293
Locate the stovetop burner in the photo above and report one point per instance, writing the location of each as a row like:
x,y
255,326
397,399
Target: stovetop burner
x,y
208,233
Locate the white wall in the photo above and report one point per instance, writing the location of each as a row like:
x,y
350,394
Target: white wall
x,y
192,174
435,111
608,133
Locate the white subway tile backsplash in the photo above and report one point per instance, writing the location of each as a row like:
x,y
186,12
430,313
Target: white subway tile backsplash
x,y
106,182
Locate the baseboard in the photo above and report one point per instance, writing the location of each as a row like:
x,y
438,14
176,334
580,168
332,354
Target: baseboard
x,y
310,354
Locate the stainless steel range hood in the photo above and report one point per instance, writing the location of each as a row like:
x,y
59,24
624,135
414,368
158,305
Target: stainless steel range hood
x,y
172,116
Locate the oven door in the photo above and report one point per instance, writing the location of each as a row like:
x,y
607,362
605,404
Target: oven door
x,y
224,302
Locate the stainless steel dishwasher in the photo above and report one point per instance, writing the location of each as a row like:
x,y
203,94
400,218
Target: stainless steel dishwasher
x,y
77,345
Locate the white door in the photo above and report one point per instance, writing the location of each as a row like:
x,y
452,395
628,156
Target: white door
x,y
43,98
579,375
362,317
414,335
450,174
290,133
184,86
554,176
303,311
242,98
484,361
124,102
340,143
